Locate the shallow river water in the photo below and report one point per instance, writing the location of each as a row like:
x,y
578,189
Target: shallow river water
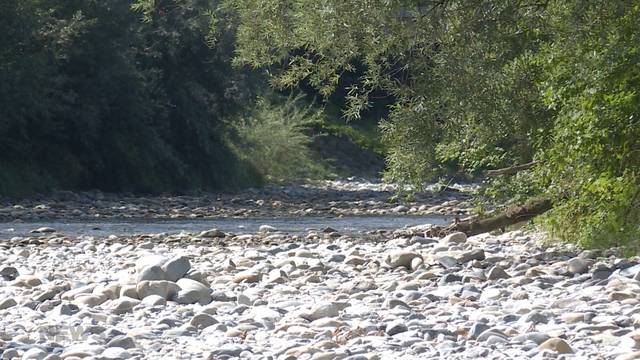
x,y
130,227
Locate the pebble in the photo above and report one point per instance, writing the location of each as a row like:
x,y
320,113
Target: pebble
x,y
176,268
7,303
447,262
535,337
192,292
556,344
164,289
151,273
247,276
478,328
10,354
129,291
154,300
114,353
123,305
572,318
266,228
27,281
630,356
495,340
455,238
395,327
496,273
34,354
477,254
44,230
213,233
201,321
122,341
9,273
579,265
329,309
398,259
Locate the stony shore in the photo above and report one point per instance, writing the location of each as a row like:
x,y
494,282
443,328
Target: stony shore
x,y
324,198
314,295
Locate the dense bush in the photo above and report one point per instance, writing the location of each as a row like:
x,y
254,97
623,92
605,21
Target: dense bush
x,y
591,80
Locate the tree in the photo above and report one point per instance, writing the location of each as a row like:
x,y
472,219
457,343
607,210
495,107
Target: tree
x,y
92,96
483,84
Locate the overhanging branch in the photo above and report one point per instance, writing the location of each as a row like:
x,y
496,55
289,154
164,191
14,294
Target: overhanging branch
x,y
510,170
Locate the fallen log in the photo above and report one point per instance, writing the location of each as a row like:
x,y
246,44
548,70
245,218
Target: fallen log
x,y
511,170
448,188
510,216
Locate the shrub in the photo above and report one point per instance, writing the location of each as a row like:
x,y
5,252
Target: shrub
x,y
271,139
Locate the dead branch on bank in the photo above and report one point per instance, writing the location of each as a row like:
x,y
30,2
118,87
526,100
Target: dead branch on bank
x,y
511,170
510,216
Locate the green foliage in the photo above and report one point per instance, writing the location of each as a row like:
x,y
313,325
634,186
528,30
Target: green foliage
x,y
441,63
271,138
18,181
365,138
592,81
605,213
505,191
93,97
481,84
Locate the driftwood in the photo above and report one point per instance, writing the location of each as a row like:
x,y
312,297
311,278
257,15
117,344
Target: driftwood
x,y
447,188
510,170
511,216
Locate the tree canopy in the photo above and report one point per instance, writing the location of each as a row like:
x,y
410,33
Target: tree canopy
x,y
481,84
93,97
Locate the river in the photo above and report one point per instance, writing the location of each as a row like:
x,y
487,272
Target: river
x,y
293,225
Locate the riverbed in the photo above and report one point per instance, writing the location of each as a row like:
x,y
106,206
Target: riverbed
x,y
336,271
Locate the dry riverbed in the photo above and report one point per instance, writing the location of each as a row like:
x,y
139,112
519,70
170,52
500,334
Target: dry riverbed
x,y
320,293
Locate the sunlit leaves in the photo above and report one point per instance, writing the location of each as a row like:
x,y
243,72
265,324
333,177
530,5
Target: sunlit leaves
x,y
481,84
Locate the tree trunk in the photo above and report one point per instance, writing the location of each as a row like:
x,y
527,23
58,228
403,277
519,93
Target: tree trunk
x,y
511,216
510,170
